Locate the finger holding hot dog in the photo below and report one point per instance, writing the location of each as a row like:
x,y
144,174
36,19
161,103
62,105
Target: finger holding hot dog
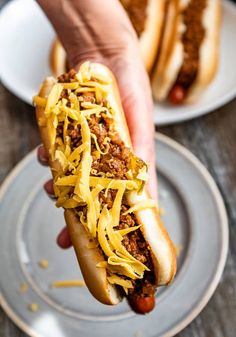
x,y
63,238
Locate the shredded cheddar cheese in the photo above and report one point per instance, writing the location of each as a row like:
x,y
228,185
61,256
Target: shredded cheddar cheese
x,y
76,185
144,204
33,307
127,230
115,279
97,145
43,263
68,284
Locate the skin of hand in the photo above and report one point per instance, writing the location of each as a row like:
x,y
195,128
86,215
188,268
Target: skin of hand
x,y
100,31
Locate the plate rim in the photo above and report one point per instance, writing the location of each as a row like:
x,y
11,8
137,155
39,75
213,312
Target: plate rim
x,y
224,226
170,119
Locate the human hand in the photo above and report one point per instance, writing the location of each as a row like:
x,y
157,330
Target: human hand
x,y
100,31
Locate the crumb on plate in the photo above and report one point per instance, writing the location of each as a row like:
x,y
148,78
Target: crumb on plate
x,y
68,284
23,288
43,263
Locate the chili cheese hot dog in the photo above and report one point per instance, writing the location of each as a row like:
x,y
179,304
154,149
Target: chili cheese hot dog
x,y
121,245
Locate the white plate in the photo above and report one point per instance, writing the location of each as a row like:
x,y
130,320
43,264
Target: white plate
x,y
195,217
26,37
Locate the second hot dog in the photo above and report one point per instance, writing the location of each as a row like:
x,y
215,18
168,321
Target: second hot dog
x,y
189,52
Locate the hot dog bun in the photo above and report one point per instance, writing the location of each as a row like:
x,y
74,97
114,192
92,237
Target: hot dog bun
x,y
171,57
95,278
148,40
161,247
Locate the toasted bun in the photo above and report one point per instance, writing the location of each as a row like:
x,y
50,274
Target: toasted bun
x,y
151,36
95,278
149,39
171,55
162,249
57,58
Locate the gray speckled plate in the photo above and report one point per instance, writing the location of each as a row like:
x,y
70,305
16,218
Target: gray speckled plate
x,y
194,215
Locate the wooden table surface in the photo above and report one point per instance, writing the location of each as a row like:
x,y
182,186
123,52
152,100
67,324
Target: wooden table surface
x,y
211,138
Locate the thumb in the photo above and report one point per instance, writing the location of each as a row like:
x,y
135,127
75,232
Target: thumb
x,y
137,103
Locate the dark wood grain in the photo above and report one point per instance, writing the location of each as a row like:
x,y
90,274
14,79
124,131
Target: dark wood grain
x,y
18,130
212,139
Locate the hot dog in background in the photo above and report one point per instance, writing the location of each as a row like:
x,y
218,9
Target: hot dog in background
x,y
189,52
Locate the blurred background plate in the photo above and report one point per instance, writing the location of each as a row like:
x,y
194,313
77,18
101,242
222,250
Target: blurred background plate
x,y
222,89
26,37
194,214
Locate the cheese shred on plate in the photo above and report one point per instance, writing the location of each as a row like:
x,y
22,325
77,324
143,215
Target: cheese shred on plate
x,y
77,186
